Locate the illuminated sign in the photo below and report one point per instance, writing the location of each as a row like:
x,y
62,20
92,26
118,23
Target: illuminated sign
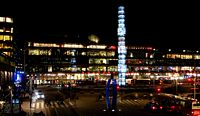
x,y
121,32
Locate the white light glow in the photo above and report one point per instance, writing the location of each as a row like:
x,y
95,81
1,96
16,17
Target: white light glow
x,y
122,50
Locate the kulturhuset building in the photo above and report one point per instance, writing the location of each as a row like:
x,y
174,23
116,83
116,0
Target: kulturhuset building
x,y
54,62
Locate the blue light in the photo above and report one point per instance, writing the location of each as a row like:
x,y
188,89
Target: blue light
x,y
18,76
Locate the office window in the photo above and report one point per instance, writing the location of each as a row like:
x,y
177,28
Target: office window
x,y
7,38
7,53
1,45
9,20
8,30
1,37
1,30
2,19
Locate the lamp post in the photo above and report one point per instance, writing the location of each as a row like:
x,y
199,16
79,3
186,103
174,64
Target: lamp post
x,y
176,84
11,104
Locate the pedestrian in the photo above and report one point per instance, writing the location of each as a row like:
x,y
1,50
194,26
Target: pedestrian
x,y
99,97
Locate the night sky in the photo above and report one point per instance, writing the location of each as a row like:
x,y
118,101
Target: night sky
x,y
162,24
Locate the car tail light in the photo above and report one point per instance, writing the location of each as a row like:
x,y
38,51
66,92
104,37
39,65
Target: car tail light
x,y
161,107
172,107
153,107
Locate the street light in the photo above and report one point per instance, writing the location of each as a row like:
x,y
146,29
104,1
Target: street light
x,y
11,104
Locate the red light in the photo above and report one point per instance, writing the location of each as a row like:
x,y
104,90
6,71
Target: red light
x,y
118,88
113,47
161,107
153,107
172,107
158,90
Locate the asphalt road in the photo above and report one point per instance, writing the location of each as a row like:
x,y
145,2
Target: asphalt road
x,y
87,105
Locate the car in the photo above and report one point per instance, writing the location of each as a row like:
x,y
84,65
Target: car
x,y
38,94
153,106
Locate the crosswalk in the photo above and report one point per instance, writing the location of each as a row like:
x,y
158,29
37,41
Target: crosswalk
x,y
53,104
124,105
133,102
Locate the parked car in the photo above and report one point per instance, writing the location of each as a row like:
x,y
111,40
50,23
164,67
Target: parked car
x,y
153,106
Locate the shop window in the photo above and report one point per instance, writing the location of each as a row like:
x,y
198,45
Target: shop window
x,y
83,53
111,54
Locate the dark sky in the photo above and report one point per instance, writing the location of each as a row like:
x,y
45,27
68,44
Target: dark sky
x,y
163,24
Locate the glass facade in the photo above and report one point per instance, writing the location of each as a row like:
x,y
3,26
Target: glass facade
x,y
63,64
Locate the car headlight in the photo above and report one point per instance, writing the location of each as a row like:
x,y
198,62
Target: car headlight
x,y
42,96
37,96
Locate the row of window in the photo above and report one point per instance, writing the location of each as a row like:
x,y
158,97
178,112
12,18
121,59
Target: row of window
x,y
6,19
7,30
5,46
183,56
6,38
110,68
71,53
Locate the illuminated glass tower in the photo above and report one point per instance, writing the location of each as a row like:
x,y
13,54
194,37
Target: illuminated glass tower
x,y
121,31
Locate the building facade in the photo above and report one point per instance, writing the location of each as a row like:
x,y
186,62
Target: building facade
x,y
7,63
56,63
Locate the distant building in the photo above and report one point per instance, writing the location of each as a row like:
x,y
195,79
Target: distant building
x,y
62,62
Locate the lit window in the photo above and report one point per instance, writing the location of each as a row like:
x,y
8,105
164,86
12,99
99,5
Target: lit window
x,y
1,37
2,19
11,30
151,56
8,30
9,20
1,30
7,38
7,53
83,53
1,45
